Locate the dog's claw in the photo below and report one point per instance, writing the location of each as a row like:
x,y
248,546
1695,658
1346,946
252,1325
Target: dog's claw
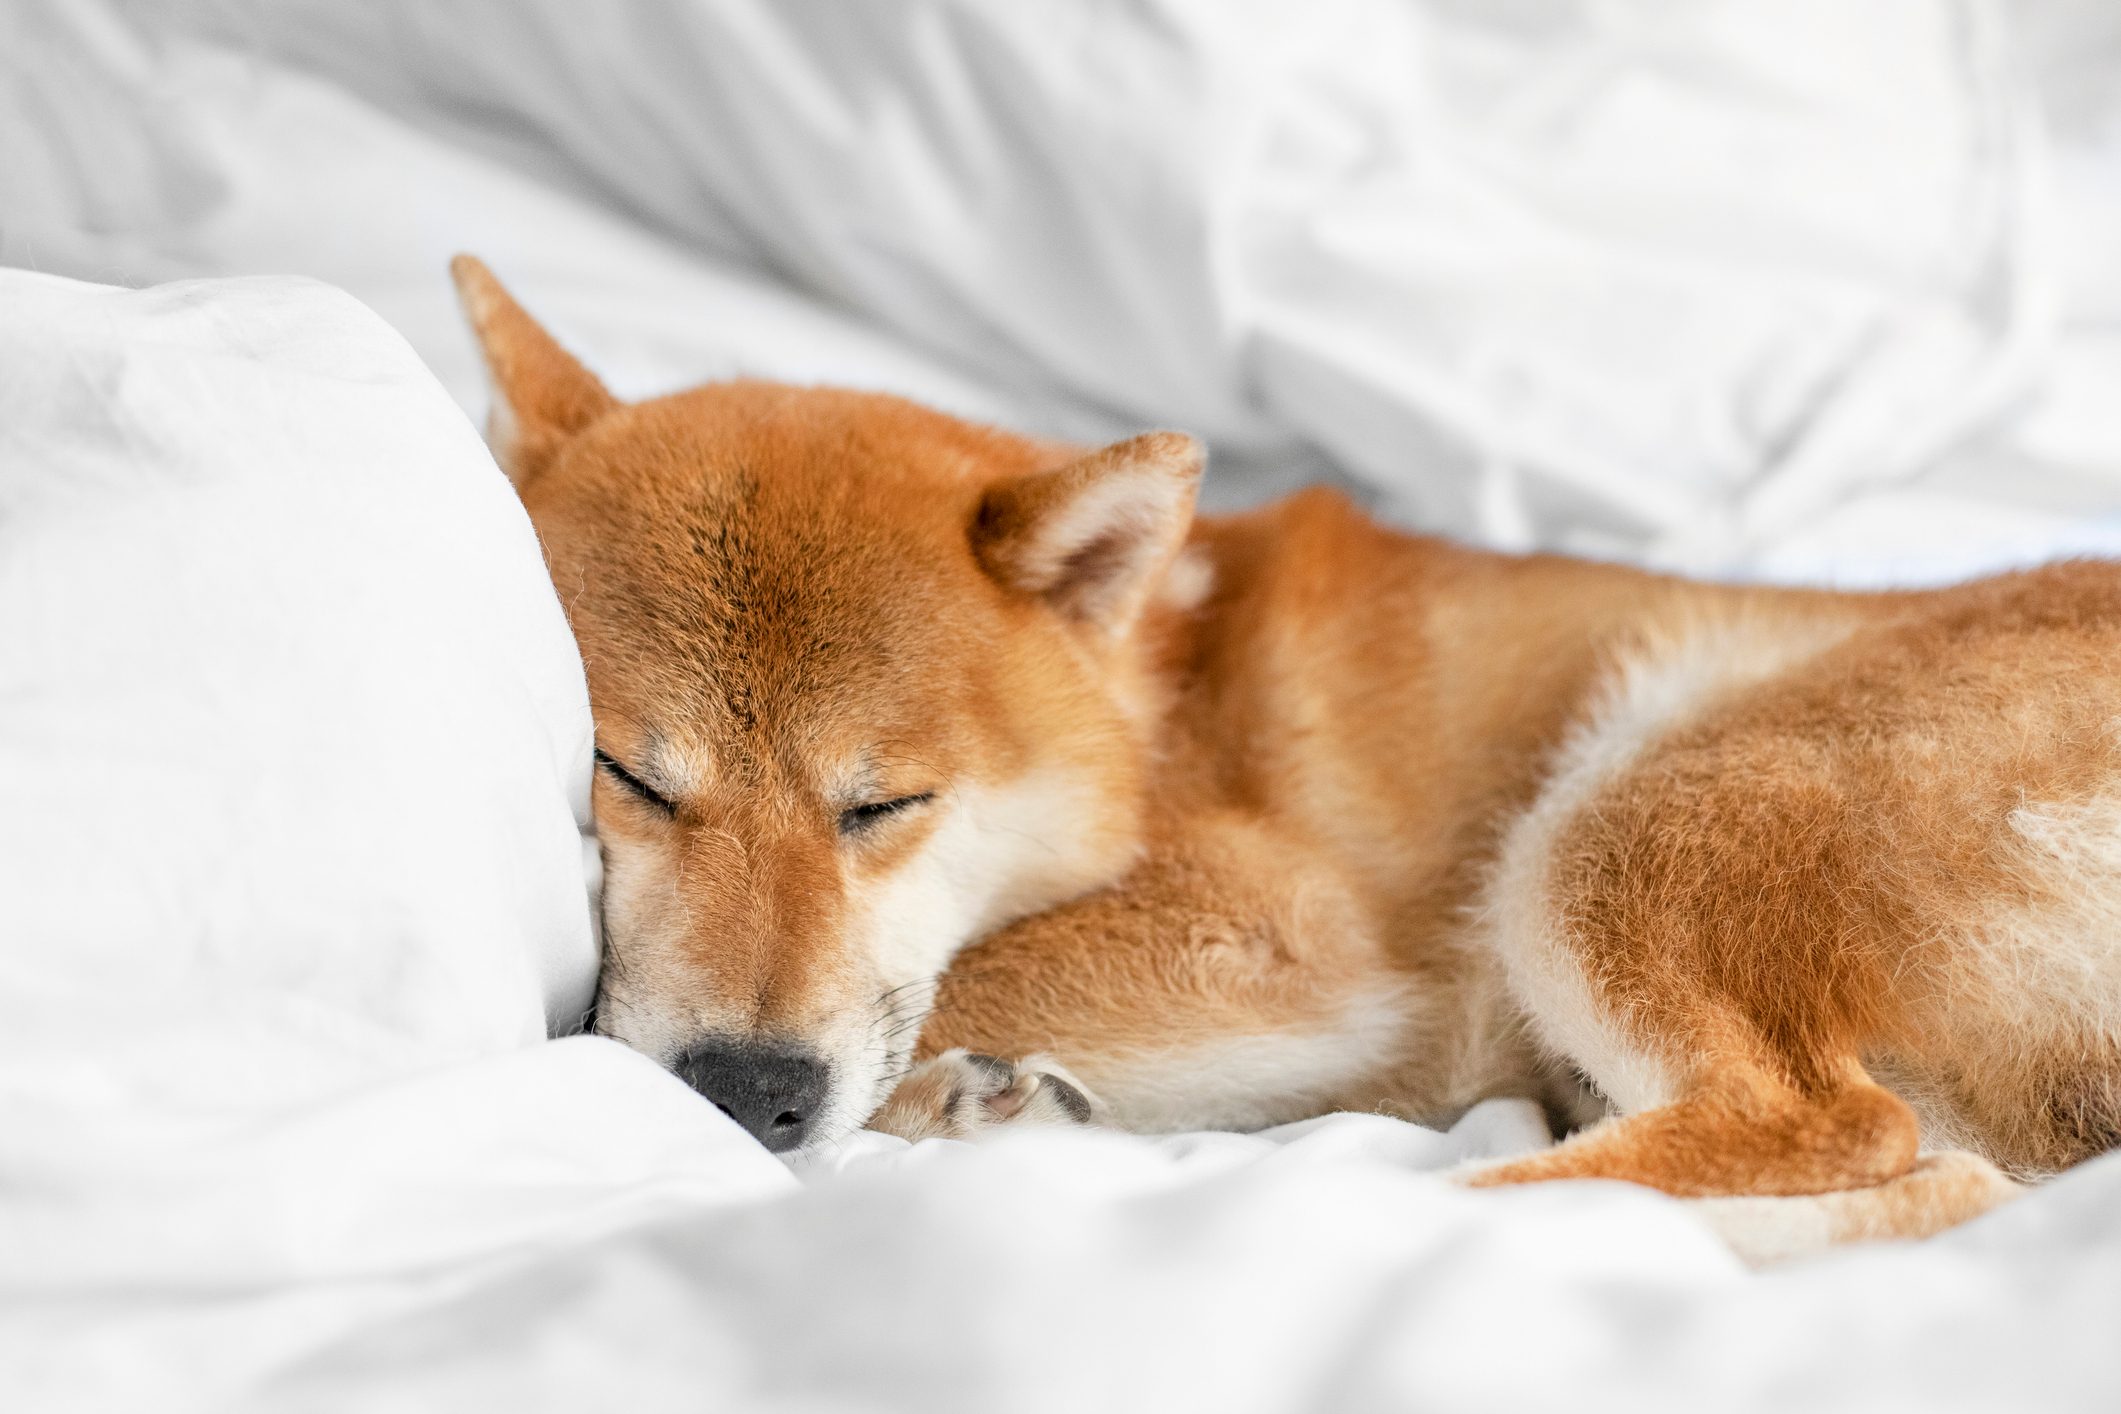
x,y
959,1094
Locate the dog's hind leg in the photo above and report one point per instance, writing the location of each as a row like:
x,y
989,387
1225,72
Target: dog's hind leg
x,y
1740,1131
1941,1191
1776,1173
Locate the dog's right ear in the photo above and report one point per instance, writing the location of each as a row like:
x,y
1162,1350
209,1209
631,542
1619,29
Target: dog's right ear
x,y
542,396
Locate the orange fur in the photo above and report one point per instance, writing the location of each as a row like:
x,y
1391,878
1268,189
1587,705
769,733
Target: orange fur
x,y
1309,814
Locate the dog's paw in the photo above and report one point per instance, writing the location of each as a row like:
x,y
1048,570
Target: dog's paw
x,y
958,1094
1942,1190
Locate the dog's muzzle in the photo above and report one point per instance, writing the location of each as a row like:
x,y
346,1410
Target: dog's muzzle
x,y
774,1094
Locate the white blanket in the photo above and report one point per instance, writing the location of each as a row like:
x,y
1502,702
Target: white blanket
x,y
293,750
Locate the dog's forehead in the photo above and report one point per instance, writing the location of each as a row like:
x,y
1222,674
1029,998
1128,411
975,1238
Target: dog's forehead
x,y
769,589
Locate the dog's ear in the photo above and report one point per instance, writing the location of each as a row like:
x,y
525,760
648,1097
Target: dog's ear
x,y
542,396
1092,537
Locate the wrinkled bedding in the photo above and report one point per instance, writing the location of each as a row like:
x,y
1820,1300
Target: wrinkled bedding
x,y
294,748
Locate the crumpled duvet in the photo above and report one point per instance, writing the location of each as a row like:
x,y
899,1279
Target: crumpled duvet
x,y
1784,287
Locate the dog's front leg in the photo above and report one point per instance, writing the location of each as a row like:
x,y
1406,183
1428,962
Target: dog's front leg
x,y
959,1094
1228,983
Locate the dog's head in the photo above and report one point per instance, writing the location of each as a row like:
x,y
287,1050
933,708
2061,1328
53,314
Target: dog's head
x,y
868,681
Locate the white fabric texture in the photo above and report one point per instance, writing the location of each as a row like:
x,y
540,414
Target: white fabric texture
x,y
1719,286
294,752
293,745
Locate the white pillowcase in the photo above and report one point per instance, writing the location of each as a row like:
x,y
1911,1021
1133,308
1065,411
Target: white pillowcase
x,y
294,742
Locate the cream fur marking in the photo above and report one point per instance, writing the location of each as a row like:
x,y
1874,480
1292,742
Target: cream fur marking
x,y
2027,978
997,854
1251,1082
1941,1191
1651,692
1000,852
1188,582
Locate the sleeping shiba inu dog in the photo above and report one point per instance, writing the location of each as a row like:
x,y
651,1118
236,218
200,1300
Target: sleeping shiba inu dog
x,y
950,779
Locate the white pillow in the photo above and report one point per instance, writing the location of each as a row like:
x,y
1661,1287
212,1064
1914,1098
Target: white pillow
x,y
294,742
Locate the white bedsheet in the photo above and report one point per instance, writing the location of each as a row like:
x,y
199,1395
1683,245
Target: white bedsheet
x,y
1691,290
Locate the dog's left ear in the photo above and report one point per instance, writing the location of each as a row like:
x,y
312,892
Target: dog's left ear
x,y
542,395
1093,537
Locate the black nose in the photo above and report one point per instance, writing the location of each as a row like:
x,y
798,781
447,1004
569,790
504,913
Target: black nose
x,y
774,1094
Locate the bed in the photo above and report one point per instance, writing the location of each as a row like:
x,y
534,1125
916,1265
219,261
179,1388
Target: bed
x,y
294,747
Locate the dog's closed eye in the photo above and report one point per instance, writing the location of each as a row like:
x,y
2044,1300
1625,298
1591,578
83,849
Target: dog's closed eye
x,y
865,817
634,784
